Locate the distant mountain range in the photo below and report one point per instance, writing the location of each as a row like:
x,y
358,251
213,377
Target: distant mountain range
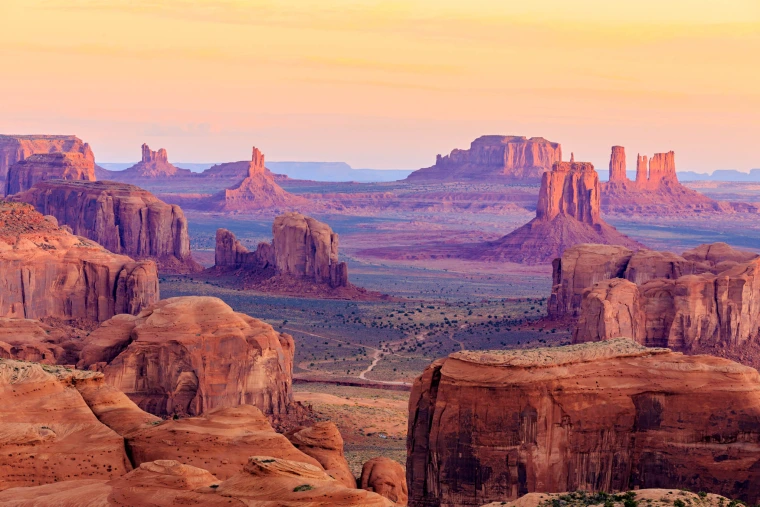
x,y
719,175
316,171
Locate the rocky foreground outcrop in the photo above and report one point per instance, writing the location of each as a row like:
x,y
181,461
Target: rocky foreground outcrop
x,y
71,439
50,166
45,271
494,158
189,355
16,148
609,416
655,190
706,300
567,214
655,497
123,218
301,259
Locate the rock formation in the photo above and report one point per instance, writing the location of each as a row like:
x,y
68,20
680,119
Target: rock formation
x,y
153,165
386,478
655,497
323,442
39,342
49,166
45,271
256,191
16,148
609,416
161,358
302,248
123,218
655,190
494,158
567,214
65,441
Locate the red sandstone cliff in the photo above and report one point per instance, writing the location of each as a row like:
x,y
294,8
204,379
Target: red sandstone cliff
x,y
656,189
45,271
51,166
123,218
567,214
189,355
609,416
494,158
16,148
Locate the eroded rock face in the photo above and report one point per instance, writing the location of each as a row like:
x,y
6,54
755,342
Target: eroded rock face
x,y
567,214
45,271
302,248
656,189
323,442
494,158
153,165
16,148
164,358
34,341
50,166
609,416
386,478
123,218
257,190
48,432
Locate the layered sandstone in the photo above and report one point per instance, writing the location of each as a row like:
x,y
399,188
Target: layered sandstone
x,y
48,432
567,214
16,148
45,271
256,191
494,158
656,189
323,442
609,416
160,358
386,478
302,248
40,342
50,166
123,218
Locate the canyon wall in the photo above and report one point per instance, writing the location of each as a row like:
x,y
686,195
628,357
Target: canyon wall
x,y
494,158
609,416
45,271
123,218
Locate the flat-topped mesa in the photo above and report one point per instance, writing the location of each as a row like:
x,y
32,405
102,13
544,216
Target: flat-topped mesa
x,y
123,218
567,214
302,248
494,158
610,416
49,166
16,148
45,271
617,165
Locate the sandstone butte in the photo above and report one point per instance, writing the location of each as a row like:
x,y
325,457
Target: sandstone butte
x,y
153,165
70,439
49,166
494,158
607,416
567,214
123,218
258,190
188,355
45,271
655,190
704,301
16,148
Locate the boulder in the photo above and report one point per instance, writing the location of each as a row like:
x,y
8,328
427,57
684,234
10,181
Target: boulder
x,y
608,416
45,271
123,218
386,478
188,355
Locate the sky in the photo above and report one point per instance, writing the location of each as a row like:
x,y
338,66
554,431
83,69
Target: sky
x,y
386,84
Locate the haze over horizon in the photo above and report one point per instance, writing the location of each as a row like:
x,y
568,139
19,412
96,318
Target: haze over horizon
x,y
386,84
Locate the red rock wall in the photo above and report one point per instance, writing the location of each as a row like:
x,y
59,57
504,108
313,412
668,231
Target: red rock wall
x,y
123,218
597,417
572,189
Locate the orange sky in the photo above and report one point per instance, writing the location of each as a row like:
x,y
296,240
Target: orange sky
x,y
386,84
